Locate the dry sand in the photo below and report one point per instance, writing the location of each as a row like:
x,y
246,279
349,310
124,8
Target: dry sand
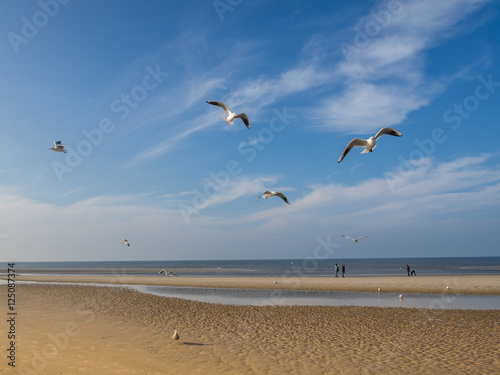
x,y
71,329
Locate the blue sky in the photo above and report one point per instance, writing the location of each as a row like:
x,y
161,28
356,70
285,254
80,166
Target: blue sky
x,y
124,85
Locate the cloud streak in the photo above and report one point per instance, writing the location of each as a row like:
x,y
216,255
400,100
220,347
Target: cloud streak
x,y
434,194
385,79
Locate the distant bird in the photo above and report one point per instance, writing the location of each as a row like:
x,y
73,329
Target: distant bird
x,y
370,143
58,147
175,336
126,243
400,297
230,115
355,239
379,290
268,194
276,282
168,273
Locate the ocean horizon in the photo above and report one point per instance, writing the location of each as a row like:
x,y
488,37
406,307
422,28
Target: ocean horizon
x,y
272,267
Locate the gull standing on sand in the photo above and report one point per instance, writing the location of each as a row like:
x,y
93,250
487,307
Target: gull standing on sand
x,y
370,143
268,194
58,147
175,336
168,273
126,243
355,239
230,115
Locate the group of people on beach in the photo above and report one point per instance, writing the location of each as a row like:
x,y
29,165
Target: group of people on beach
x,y
337,269
410,273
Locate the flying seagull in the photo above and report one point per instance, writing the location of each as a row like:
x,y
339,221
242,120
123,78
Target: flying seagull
x,y
230,115
175,336
168,273
370,143
355,239
126,243
268,194
58,147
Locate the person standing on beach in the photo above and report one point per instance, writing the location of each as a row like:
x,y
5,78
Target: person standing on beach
x,y
408,269
336,270
343,269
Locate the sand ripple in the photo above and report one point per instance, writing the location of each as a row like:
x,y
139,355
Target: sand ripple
x,y
120,331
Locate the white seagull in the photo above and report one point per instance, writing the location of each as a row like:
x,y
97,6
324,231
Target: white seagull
x,y
268,194
126,243
58,147
355,239
400,297
168,273
230,115
370,143
175,336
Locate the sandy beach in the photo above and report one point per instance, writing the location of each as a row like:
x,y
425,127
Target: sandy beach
x,y
79,329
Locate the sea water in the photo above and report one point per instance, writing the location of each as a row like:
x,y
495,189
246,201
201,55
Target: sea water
x,y
273,268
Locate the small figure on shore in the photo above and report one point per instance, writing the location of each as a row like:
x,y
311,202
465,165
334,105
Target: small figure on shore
x,y
408,269
175,336
343,269
413,273
400,297
336,270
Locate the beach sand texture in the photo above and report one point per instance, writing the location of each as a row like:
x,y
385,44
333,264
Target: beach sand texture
x,y
71,329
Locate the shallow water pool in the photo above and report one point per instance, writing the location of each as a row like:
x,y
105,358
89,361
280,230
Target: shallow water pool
x,y
259,297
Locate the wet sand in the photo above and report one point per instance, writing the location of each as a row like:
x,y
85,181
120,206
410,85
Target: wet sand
x,y
463,284
73,329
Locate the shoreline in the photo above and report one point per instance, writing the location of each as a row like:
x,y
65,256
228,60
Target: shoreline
x,y
455,284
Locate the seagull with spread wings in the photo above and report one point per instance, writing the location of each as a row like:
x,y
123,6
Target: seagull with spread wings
x,y
355,239
58,147
230,115
168,273
268,194
370,143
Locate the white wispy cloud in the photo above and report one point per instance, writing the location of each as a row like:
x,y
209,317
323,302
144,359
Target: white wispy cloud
x,y
462,185
364,106
436,193
239,187
385,75
161,148
380,85
251,95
